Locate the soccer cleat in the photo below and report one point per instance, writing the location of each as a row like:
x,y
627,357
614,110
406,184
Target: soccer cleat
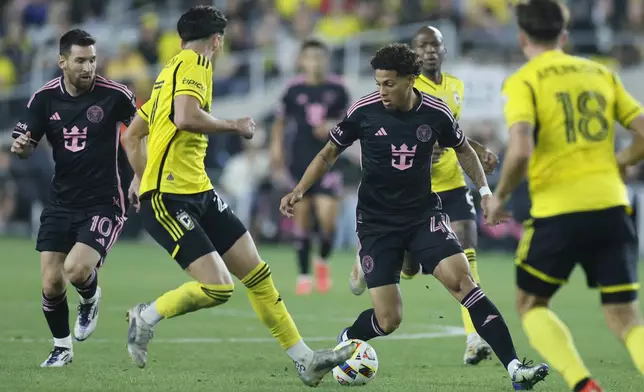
x,y
592,386
139,334
477,350
323,362
58,357
87,318
526,376
304,285
323,280
343,335
357,282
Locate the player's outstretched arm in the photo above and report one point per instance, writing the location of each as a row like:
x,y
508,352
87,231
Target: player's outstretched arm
x,y
318,167
134,146
188,116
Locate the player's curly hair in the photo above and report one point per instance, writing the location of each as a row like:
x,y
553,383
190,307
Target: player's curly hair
x,y
201,22
542,20
397,57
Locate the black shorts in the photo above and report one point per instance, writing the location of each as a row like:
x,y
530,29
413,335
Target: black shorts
x,y
458,204
603,242
330,185
381,254
190,226
61,228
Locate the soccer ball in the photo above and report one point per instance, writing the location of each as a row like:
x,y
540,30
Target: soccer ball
x,y
360,368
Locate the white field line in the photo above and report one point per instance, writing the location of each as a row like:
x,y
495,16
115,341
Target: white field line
x,y
226,312
442,332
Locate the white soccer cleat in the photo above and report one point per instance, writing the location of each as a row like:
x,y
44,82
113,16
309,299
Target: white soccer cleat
x,y
139,334
87,319
357,282
526,376
58,357
477,350
322,363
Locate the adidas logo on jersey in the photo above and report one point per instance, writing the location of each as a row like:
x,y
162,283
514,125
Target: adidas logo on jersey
x,y
381,132
170,177
55,117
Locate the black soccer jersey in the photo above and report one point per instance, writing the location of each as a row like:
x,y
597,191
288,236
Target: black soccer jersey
x,y
84,133
395,190
304,108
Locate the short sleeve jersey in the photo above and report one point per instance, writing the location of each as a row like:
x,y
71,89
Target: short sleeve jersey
x,y
91,168
176,157
395,189
573,104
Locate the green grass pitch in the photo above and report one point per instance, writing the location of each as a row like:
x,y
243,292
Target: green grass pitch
x,y
227,349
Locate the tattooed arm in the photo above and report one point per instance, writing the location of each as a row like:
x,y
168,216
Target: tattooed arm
x,y
319,166
471,164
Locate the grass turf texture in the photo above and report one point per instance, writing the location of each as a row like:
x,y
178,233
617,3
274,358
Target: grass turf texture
x,y
227,348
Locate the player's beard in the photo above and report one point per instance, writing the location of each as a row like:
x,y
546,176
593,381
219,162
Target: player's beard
x,y
82,84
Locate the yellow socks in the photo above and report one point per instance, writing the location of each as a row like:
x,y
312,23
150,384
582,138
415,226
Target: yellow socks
x,y
470,253
269,306
635,344
192,296
553,341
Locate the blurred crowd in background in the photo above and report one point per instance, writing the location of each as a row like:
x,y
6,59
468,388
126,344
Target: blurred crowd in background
x,y
136,37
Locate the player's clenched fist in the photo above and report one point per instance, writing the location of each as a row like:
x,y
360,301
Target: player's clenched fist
x,y
246,127
22,145
288,202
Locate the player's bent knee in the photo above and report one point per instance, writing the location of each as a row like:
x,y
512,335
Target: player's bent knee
x,y
454,273
51,275
526,302
622,317
242,257
75,270
210,270
53,285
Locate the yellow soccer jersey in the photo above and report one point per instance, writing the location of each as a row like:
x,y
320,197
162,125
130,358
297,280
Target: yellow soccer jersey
x,y
446,173
573,104
176,157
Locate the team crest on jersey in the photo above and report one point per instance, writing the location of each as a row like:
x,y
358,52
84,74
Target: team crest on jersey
x,y
95,114
185,220
424,133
